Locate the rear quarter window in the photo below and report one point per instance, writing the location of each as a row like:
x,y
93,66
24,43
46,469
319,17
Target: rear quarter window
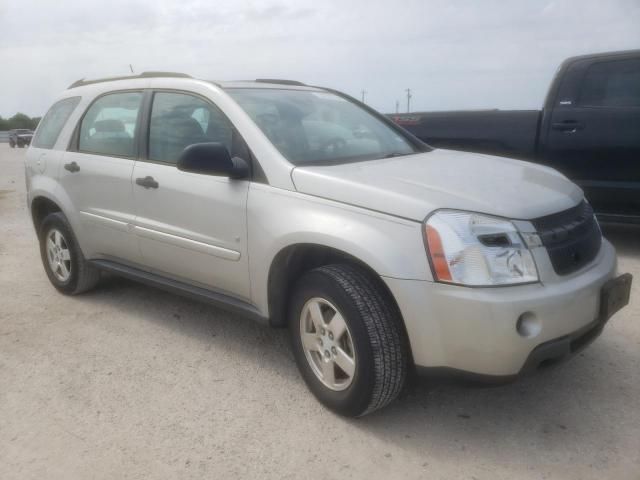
x,y
51,125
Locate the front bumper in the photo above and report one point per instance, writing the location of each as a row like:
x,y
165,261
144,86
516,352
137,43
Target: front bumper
x,y
474,329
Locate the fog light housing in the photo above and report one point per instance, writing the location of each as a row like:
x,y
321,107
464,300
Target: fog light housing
x,y
528,325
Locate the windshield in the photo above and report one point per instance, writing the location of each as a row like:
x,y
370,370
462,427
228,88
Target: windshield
x,y
310,127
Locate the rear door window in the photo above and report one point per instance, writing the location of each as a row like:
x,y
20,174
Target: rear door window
x,y
612,84
109,126
52,123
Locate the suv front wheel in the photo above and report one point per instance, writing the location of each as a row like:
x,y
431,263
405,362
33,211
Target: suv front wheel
x,y
348,339
62,258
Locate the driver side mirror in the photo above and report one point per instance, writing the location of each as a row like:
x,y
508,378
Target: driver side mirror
x,y
212,159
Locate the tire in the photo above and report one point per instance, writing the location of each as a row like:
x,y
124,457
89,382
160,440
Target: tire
x,y
81,276
12,145
380,351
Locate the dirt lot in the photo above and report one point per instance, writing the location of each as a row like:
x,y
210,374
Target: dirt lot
x,y
131,382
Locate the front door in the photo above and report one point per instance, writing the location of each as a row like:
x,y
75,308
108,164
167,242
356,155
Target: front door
x,y
191,227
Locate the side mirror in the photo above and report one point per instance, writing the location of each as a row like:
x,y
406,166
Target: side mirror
x,y
212,159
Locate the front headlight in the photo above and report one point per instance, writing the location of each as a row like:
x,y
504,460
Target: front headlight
x,y
477,250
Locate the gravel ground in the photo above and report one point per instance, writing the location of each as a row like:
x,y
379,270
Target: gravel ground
x,y
131,382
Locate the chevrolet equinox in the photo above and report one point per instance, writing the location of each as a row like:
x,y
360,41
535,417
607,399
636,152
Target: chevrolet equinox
x,y
302,207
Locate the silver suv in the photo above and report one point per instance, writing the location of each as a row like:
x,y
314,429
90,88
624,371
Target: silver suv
x,y
301,207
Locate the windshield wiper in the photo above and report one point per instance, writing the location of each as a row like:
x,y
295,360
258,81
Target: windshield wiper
x,y
396,154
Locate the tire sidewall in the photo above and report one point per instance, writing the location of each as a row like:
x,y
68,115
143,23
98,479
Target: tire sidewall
x,y
59,222
355,399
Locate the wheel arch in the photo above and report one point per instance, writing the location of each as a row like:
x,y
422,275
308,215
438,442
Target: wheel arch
x,y
292,261
41,206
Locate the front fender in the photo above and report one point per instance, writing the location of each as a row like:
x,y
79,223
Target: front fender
x,y
277,219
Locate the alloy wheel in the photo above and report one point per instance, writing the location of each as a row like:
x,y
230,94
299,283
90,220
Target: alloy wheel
x,y
327,344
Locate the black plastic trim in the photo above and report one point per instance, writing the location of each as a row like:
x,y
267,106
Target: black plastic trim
x,y
82,82
221,300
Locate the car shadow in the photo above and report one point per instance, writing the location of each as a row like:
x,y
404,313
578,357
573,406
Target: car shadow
x,y
217,329
576,401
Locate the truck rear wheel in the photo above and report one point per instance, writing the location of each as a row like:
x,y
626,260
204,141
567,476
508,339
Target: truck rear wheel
x,y
348,339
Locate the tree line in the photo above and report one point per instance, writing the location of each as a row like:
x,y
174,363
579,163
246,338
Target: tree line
x,y
19,120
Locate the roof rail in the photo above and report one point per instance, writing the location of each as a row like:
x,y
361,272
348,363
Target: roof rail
x,y
280,81
82,82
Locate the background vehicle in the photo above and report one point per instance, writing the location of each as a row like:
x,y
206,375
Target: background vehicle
x,y
588,129
20,137
301,207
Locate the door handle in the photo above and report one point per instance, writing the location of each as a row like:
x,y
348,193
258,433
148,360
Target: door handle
x,y
147,182
73,167
568,126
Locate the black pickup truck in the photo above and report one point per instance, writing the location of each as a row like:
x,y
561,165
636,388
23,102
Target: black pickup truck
x,y
589,129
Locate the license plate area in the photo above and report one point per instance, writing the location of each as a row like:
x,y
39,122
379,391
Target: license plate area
x,y
614,295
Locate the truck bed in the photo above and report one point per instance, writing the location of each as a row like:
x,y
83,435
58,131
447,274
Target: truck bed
x,y
511,133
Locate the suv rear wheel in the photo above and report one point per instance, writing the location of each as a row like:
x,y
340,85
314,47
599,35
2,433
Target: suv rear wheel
x,y
62,258
348,339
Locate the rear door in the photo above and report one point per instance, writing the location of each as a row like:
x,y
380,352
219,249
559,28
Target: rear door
x,y
594,134
191,227
97,175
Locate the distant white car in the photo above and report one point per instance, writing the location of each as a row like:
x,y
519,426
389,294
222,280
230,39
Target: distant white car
x,y
299,206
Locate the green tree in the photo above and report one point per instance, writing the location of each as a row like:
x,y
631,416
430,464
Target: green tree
x,y
20,120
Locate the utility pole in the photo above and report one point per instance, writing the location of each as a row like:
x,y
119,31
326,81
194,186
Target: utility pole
x,y
363,92
131,68
408,90
397,106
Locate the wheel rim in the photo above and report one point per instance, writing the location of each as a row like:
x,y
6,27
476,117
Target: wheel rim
x,y
327,344
58,255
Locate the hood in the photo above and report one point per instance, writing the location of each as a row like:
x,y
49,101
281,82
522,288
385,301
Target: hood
x,y
415,185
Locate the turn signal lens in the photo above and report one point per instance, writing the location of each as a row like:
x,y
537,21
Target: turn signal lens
x,y
438,257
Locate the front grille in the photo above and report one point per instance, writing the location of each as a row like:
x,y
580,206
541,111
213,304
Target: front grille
x,y
572,237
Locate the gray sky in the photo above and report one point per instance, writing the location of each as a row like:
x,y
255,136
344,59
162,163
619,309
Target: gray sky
x,y
452,54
